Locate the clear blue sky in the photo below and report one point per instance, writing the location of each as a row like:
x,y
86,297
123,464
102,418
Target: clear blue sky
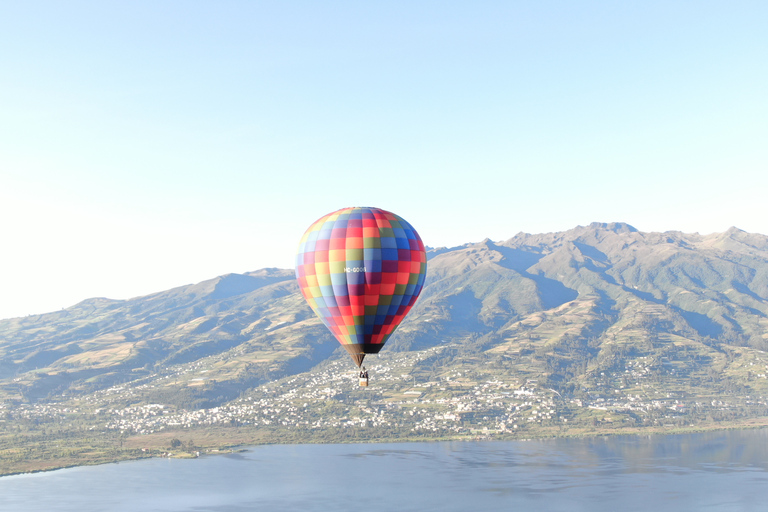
x,y
146,145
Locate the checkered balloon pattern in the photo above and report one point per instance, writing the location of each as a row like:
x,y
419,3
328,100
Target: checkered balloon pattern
x,y
361,270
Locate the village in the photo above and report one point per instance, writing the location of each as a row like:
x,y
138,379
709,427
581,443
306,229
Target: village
x,y
459,402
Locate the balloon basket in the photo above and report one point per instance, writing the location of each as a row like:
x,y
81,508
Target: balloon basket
x,y
363,382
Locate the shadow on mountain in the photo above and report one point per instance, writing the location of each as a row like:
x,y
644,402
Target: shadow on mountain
x,y
516,259
646,296
552,293
464,310
42,358
741,288
606,305
591,252
609,313
701,323
321,348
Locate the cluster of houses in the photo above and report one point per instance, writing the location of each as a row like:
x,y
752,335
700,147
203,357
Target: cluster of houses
x,y
461,401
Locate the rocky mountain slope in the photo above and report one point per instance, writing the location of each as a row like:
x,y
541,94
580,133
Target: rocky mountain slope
x,y
568,307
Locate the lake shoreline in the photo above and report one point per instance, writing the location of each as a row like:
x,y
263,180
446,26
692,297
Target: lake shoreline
x,y
242,442
719,471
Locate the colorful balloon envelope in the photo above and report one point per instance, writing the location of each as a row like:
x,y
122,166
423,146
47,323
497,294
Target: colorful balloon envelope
x,y
361,271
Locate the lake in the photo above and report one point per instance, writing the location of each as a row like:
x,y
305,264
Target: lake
x,y
715,471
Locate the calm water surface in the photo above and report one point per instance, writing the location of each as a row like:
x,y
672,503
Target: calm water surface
x,y
724,471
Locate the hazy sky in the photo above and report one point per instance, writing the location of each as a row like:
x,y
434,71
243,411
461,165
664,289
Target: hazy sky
x,y
146,145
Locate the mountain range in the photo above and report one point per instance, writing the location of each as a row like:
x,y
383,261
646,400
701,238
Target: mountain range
x,y
575,303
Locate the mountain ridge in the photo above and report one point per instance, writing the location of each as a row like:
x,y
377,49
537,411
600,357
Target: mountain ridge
x,y
717,283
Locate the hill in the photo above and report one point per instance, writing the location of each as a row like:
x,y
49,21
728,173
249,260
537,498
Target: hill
x,y
603,327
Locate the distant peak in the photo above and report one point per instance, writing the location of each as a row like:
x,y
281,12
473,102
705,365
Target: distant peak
x,y
617,227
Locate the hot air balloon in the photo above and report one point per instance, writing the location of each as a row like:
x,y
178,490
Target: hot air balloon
x,y
361,271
